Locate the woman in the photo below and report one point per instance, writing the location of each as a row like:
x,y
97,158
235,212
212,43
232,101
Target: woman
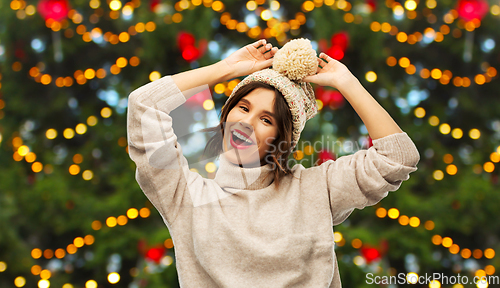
x,y
260,223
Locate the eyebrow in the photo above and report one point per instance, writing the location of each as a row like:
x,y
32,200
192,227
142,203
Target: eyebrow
x,y
265,111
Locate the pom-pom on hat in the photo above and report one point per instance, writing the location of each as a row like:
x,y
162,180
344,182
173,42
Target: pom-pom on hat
x,y
294,61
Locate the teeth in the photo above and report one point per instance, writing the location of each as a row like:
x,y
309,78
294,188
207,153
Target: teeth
x,y
242,137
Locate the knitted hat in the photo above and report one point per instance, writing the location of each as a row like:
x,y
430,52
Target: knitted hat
x,y
294,61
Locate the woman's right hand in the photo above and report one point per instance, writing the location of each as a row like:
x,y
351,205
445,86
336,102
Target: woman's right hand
x,y
251,58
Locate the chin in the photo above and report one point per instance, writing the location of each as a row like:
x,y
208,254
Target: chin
x,y
247,157
243,159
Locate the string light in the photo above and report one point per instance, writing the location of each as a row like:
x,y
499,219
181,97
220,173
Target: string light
x,y
82,77
457,133
30,157
444,77
403,220
447,242
79,242
479,79
393,213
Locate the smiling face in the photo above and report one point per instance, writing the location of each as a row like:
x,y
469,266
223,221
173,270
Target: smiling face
x,y
251,128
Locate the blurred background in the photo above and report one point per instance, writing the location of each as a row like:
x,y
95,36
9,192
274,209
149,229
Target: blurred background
x,y
72,214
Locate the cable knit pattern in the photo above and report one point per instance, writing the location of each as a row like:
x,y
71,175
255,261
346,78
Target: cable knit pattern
x,y
238,230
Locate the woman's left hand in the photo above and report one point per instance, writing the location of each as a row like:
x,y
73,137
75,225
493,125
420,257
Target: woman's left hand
x,y
330,73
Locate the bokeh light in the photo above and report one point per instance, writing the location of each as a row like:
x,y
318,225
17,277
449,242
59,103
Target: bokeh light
x,y
91,284
210,167
144,212
371,76
19,281
155,75
393,213
381,212
113,278
43,283
132,213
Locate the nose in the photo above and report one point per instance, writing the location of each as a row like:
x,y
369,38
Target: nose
x,y
245,124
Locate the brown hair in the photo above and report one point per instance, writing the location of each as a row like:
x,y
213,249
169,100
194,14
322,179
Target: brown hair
x,y
282,143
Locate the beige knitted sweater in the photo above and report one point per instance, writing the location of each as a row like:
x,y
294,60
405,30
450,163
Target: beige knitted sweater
x,y
239,231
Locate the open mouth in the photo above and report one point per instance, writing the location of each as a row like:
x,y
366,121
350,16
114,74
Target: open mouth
x,y
240,140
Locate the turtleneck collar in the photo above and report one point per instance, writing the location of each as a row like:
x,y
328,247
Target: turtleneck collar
x,y
233,176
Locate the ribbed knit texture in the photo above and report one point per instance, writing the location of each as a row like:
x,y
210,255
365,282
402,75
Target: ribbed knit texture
x,y
238,230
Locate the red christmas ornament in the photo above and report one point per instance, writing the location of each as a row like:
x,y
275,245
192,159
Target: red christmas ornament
x,y
185,39
155,254
190,53
330,97
472,9
153,4
322,94
340,43
341,39
337,100
370,254
186,43
319,92
372,4
335,52
324,156
56,10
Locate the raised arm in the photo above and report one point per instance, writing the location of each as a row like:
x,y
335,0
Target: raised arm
x,y
365,177
162,170
251,58
335,74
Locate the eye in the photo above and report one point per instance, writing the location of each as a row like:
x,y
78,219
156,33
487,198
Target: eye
x,y
244,108
268,121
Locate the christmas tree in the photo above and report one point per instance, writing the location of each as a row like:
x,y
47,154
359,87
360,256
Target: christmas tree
x,y
72,214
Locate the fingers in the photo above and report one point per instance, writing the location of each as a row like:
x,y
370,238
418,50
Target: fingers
x,y
270,53
310,79
274,51
259,43
265,64
263,49
321,63
325,57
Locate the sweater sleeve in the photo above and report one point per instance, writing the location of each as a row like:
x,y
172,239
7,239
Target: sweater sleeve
x,y
365,177
162,170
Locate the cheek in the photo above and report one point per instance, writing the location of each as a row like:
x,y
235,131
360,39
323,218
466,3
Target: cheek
x,y
230,116
267,137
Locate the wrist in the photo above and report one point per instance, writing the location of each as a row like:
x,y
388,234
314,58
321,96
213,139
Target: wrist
x,y
225,70
346,82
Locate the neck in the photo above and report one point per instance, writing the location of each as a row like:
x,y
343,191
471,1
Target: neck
x,y
234,176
